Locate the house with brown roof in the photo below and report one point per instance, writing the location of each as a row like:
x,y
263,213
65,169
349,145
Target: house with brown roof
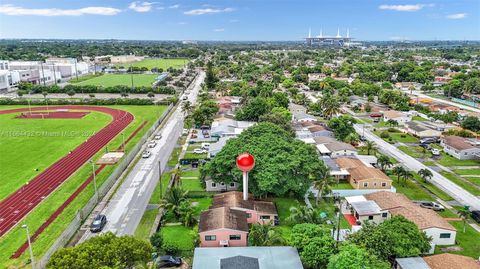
x,y
264,212
440,261
441,232
223,227
400,117
461,148
362,176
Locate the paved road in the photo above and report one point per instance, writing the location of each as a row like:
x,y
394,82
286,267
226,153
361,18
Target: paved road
x,y
456,192
125,210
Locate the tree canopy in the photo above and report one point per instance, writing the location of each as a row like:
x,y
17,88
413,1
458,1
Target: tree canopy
x,y
314,243
283,164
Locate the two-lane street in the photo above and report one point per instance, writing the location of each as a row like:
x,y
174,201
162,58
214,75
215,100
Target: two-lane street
x,y
455,191
125,210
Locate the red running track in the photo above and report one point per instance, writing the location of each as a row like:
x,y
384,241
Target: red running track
x,y
20,203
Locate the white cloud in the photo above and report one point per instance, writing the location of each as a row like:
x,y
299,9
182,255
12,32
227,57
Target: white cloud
x,y
141,6
174,6
203,11
20,11
408,8
457,16
219,30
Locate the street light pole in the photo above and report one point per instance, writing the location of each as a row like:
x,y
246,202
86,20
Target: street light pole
x,y
123,142
32,259
94,179
160,178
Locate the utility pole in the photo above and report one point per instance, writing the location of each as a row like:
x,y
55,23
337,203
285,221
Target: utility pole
x,y
160,178
54,74
43,74
123,142
32,259
76,71
94,179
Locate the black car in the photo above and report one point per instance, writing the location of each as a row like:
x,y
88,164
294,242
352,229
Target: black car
x,y
476,215
98,223
168,261
428,140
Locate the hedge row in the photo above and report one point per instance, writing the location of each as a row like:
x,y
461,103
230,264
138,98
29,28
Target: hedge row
x,y
99,102
70,88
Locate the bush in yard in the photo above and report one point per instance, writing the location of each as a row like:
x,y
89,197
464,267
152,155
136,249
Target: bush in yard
x,y
314,243
384,135
156,240
392,130
170,247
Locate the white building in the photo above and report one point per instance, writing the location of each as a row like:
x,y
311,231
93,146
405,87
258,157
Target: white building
x,y
8,80
461,148
399,117
68,67
34,72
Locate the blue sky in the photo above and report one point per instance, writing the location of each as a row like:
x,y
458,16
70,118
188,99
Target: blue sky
x,y
240,19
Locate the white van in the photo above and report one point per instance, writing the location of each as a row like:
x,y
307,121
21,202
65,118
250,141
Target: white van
x,y
205,145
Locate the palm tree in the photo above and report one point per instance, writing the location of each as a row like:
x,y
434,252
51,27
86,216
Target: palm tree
x,y
384,162
172,200
463,213
331,108
323,183
407,175
352,138
264,235
304,214
392,123
399,171
370,146
187,213
186,106
425,174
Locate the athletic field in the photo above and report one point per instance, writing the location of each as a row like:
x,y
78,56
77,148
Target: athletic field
x,y
158,63
110,80
30,149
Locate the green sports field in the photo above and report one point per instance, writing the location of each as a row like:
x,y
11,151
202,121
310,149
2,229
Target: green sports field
x,y
11,241
29,144
110,80
159,63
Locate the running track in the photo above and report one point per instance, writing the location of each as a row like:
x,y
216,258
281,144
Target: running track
x,y
20,203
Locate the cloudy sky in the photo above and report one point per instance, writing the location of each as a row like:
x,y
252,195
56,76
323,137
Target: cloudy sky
x,y
240,19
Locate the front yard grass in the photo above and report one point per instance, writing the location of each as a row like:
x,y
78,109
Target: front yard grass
x,y
467,171
179,235
191,184
202,204
191,173
155,198
448,160
411,189
415,152
342,186
466,240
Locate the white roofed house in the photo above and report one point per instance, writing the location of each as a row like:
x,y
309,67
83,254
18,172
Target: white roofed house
x,y
461,148
303,117
228,127
328,146
398,116
421,130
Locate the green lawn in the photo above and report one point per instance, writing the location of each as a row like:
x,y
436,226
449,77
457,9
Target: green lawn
x,y
146,223
466,240
415,152
179,235
411,190
38,143
191,184
109,80
159,63
418,118
191,173
342,186
454,178
83,78
191,155
448,160
155,198
404,138
202,204
467,171
474,180
174,157
11,241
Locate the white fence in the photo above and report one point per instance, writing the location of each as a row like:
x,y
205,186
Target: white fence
x,y
83,213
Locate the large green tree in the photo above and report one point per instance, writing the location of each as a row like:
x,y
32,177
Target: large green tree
x,y
396,237
314,243
103,251
283,164
342,126
352,256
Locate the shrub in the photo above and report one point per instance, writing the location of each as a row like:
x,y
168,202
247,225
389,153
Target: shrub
x,y
156,240
384,134
171,248
392,130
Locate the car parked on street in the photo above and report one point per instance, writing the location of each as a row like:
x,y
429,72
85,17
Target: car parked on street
x,y
430,205
435,152
428,140
146,154
476,215
98,223
157,137
168,261
152,144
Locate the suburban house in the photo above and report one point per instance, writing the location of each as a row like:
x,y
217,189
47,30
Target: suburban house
x,y
319,130
228,127
365,210
442,232
439,261
294,108
223,227
303,117
362,176
217,146
399,117
316,76
328,146
247,258
418,129
213,186
461,148
263,212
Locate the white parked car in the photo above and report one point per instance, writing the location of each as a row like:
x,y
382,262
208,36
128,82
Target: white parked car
x,y
152,144
185,97
199,151
435,152
146,154
157,137
205,145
